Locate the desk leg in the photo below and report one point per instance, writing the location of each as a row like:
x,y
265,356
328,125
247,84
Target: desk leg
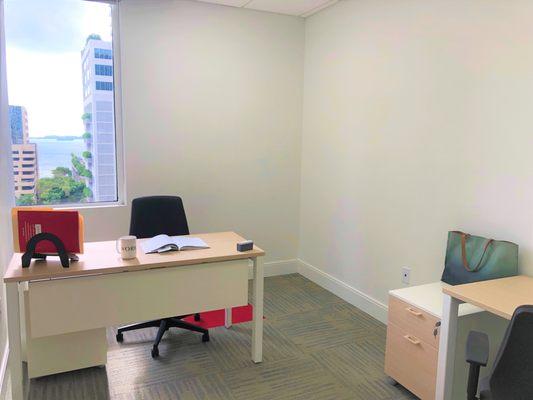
x,y
13,325
448,336
257,327
227,318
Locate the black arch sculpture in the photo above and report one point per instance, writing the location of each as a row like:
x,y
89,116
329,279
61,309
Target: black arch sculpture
x,y
40,237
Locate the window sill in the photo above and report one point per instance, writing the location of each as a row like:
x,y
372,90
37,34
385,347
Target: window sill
x,y
80,207
76,207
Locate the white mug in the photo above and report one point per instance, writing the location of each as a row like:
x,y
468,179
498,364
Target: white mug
x,y
127,247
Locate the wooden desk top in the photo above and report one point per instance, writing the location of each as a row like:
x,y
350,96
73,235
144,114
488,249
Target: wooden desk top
x,y
498,296
102,258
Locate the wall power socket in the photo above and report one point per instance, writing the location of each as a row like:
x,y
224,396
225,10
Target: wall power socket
x,y
406,275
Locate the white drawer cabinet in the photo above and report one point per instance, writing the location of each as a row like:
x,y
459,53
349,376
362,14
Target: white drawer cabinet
x,y
413,338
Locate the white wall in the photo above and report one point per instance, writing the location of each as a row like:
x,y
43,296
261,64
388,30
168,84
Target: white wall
x,y
417,120
6,190
212,112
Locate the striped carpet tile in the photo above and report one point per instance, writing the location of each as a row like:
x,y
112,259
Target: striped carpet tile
x,y
316,347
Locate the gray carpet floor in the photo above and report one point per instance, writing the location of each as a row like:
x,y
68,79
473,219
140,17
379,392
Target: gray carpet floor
x,y
316,347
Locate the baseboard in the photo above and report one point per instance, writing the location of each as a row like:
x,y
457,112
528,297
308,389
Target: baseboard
x,y
3,370
346,292
284,267
275,268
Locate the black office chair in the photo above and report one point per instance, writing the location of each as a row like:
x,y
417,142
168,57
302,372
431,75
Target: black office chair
x,y
512,375
151,216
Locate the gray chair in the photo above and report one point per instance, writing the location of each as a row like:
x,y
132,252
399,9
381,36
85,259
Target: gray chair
x,y
512,375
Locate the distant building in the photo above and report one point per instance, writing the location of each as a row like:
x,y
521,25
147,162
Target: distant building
x,y
18,119
98,117
25,168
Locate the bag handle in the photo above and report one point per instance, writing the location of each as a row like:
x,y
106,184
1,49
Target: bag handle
x,y
464,236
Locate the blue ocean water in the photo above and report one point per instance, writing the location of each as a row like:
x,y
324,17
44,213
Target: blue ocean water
x,y
53,153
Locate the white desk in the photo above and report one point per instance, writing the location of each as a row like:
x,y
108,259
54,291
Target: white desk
x,y
499,296
102,290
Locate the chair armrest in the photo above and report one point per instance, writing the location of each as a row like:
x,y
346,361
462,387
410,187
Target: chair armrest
x,y
477,348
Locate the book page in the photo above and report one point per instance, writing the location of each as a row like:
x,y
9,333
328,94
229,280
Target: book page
x,y
187,242
155,243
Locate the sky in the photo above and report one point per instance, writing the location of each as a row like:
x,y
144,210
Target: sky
x,y
44,42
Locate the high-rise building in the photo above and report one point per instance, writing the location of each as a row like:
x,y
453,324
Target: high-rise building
x,y
25,167
18,119
98,117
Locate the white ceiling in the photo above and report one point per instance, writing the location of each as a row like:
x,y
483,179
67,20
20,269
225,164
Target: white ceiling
x,y
301,8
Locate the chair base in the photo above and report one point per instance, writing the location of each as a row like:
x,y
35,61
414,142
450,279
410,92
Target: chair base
x,y
164,325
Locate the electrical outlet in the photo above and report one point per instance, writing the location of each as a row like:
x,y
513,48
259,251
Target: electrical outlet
x,y
406,275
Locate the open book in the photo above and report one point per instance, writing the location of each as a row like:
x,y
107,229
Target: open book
x,y
164,243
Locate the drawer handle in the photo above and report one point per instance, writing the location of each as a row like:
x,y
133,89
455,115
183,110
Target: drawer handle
x,y
415,313
412,339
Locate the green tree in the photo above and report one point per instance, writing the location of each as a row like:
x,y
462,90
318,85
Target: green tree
x,y
87,192
87,154
25,200
87,135
87,117
80,167
61,171
62,189
86,173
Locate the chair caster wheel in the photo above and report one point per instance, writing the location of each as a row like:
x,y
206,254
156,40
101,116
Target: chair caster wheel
x,y
120,337
155,352
205,337
197,317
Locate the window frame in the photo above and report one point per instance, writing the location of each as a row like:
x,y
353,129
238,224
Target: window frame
x,y
119,132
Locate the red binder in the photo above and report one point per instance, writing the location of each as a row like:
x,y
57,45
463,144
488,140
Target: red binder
x,y
67,225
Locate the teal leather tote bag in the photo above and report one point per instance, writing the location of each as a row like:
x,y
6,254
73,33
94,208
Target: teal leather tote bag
x,y
474,258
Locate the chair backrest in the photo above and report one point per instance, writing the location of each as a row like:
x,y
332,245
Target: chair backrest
x,y
155,215
512,375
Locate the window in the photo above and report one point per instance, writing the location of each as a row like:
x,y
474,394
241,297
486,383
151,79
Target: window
x,y
105,54
64,102
103,70
104,85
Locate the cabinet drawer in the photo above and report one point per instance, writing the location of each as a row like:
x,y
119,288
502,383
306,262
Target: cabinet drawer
x,y
413,320
411,361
